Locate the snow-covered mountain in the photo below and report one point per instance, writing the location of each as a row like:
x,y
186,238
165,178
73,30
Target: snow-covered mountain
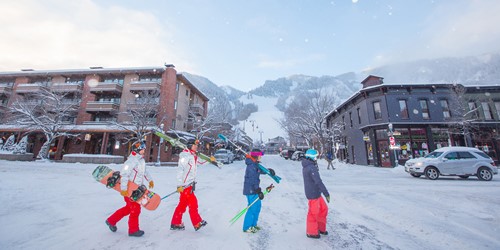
x,y
275,94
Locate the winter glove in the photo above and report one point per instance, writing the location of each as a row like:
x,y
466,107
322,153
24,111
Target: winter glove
x,y
151,184
268,189
180,189
258,191
124,193
212,159
271,172
327,198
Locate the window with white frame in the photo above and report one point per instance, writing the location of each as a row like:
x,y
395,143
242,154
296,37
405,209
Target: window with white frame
x,y
446,109
403,109
497,107
377,111
487,111
425,109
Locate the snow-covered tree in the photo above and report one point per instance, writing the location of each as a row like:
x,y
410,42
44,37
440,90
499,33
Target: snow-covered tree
x,y
305,117
21,146
464,114
141,116
9,143
45,111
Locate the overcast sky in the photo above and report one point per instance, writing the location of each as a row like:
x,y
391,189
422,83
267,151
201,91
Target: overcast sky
x,y
243,43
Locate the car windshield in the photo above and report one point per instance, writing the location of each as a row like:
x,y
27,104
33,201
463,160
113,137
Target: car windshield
x,y
434,155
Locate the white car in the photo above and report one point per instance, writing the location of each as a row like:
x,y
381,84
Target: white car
x,y
224,156
453,161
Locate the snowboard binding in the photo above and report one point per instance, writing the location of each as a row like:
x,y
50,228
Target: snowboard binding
x,y
138,193
113,179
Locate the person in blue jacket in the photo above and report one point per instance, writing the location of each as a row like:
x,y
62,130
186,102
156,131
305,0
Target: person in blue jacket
x,y
252,190
313,186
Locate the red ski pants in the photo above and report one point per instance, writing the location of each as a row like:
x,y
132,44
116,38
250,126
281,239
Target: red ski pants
x,y
316,216
131,208
187,199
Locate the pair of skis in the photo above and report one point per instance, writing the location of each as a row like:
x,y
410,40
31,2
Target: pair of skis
x,y
262,168
178,143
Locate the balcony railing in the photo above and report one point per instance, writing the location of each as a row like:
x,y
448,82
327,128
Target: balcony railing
x,y
66,87
5,89
137,86
102,106
197,109
110,87
30,88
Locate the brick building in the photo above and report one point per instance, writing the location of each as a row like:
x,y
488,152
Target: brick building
x,y
104,96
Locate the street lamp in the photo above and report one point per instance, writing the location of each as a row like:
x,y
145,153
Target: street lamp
x,y
158,162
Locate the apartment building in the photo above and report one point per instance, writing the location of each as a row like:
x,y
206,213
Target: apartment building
x,y
384,123
104,96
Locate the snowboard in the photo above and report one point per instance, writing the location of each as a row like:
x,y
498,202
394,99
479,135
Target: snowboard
x,y
178,143
149,200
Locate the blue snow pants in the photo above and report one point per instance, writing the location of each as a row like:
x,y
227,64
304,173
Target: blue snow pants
x,y
252,215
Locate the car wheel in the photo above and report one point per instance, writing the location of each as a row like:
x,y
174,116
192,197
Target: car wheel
x,y
464,176
431,173
415,175
484,174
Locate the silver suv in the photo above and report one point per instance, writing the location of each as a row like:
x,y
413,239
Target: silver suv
x,y
224,156
453,161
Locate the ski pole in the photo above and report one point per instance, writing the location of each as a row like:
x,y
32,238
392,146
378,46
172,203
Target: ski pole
x,y
235,218
190,184
169,194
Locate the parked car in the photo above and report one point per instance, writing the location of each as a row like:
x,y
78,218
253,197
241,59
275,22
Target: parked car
x,y
297,156
453,161
224,156
287,153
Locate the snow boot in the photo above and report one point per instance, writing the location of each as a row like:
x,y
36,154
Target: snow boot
x,y
138,233
257,228
177,227
313,236
251,230
323,233
200,225
111,227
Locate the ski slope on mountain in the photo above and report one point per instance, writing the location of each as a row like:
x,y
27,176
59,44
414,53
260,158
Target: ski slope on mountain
x,y
265,120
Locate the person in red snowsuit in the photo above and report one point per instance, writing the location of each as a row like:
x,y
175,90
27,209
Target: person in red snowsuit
x,y
186,180
134,170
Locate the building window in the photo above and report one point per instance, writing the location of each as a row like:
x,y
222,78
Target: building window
x,y
187,92
446,109
177,87
343,122
173,123
403,109
359,117
350,118
487,111
175,105
377,111
497,107
473,110
425,109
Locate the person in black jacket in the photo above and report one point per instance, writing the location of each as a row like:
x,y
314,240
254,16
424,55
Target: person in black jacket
x,y
313,186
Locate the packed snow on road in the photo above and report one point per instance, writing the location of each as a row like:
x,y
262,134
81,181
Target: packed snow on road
x,y
50,205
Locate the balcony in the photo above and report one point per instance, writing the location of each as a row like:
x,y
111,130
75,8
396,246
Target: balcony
x,y
5,89
66,87
108,87
197,109
30,88
138,86
102,106
143,103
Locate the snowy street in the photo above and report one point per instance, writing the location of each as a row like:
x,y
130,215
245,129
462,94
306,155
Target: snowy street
x,y
60,206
